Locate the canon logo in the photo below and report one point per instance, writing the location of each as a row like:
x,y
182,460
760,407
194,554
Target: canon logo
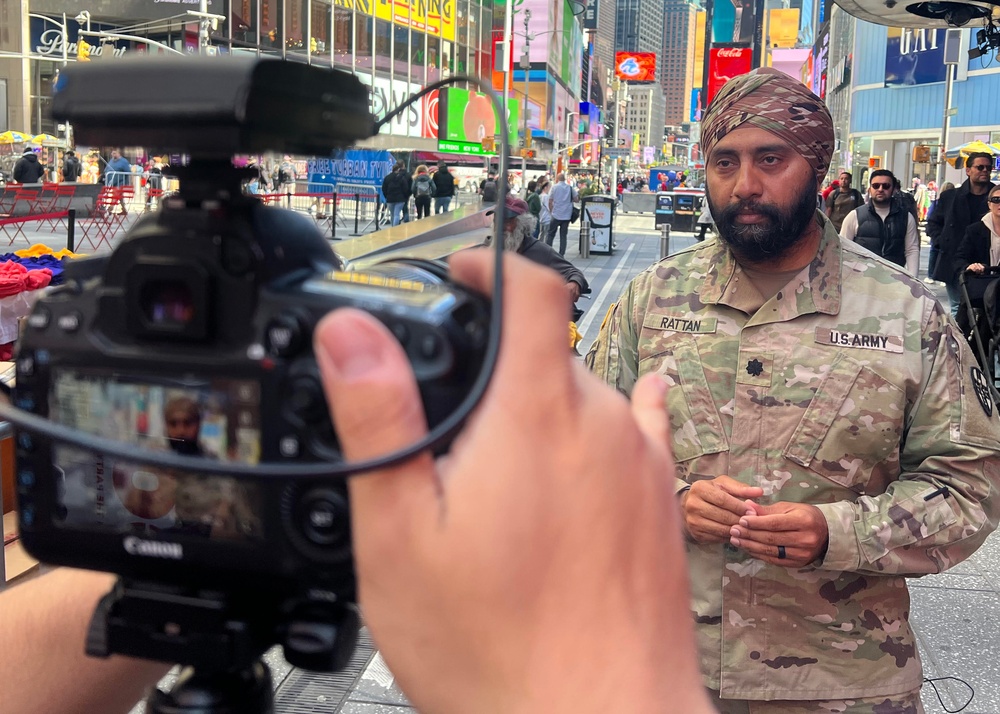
x,y
153,548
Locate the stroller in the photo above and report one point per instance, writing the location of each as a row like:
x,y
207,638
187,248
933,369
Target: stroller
x,y
979,319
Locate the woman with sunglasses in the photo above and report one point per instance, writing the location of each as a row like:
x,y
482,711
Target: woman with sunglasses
x,y
980,246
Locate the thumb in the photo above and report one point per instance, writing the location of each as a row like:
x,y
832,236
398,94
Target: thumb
x,y
649,408
376,410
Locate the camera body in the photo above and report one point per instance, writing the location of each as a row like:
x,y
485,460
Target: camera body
x,y
194,337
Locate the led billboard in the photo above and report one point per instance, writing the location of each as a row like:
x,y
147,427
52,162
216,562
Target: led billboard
x,y
466,118
635,66
724,63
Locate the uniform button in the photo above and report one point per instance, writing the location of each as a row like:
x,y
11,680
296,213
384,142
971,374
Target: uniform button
x,y
25,441
26,366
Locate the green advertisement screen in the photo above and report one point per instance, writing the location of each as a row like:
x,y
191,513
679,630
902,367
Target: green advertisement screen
x,y
465,117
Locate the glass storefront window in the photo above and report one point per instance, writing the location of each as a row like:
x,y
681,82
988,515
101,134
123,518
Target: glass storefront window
x,y
321,13
383,45
401,52
433,59
418,54
343,37
363,40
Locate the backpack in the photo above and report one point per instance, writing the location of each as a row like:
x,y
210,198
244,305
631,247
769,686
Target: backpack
x,y
423,186
490,191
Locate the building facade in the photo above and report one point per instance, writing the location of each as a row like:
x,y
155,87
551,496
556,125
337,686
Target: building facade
x,y
897,103
396,51
639,27
676,59
643,116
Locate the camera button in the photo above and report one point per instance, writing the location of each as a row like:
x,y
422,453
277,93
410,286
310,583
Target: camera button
x,y
70,322
429,346
400,331
283,336
305,399
39,319
288,446
324,517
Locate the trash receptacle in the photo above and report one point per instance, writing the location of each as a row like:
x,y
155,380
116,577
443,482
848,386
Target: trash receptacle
x,y
664,208
596,218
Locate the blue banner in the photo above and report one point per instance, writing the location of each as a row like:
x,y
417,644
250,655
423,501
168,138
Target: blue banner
x,y
364,167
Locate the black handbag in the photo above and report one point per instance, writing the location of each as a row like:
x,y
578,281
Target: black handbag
x,y
575,216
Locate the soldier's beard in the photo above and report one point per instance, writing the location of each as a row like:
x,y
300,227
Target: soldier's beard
x,y
770,239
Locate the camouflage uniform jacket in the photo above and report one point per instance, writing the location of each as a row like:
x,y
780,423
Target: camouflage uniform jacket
x,y
850,390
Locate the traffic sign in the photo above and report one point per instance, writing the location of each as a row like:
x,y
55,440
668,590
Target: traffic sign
x,y
618,153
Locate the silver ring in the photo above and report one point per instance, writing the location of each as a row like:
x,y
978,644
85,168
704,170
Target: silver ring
x,y
781,552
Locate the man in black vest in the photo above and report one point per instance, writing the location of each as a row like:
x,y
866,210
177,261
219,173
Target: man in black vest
x,y
955,211
883,225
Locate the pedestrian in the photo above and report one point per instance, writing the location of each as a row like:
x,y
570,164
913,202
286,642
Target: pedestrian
x,y
118,171
423,191
285,176
71,168
842,200
955,211
980,246
396,189
28,169
904,198
832,433
444,188
534,202
519,225
884,226
561,200
488,189
544,214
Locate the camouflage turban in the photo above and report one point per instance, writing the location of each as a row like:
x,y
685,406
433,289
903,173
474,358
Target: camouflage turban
x,y
773,101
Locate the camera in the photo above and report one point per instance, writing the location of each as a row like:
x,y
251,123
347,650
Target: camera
x,y
192,340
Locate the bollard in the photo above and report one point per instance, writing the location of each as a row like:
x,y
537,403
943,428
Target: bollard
x,y
378,210
584,234
664,240
71,230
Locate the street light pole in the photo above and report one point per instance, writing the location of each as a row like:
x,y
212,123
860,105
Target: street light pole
x,y
526,66
508,39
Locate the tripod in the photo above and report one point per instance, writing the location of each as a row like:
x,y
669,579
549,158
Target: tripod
x,y
220,638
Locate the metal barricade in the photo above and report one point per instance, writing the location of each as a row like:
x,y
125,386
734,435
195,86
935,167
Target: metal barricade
x,y
360,204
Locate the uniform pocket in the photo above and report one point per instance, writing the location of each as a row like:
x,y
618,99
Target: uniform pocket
x,y
695,425
850,432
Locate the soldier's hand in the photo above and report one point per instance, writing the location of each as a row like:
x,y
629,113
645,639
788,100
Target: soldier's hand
x,y
713,506
976,268
797,527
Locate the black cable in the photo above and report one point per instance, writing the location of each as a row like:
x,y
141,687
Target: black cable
x,y
933,682
436,437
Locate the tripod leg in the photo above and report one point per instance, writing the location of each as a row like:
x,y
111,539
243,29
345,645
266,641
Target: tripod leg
x,y
248,691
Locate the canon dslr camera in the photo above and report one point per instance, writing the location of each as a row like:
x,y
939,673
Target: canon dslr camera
x,y
191,343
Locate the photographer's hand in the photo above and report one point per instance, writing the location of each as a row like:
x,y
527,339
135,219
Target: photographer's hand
x,y
539,566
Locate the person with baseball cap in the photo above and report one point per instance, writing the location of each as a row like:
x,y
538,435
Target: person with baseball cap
x,y
518,233
832,433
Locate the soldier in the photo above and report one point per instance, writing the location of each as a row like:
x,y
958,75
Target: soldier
x,y
832,433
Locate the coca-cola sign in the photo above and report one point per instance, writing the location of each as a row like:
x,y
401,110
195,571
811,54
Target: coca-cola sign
x,y
725,63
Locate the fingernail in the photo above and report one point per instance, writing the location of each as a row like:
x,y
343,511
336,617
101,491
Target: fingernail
x,y
349,345
735,542
744,522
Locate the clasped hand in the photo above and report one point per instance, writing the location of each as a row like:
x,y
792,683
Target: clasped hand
x,y
722,509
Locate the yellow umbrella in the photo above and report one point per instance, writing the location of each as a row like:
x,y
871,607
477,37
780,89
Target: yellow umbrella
x,y
14,137
957,155
45,139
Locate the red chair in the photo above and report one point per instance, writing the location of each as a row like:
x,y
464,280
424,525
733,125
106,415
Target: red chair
x,y
103,222
61,202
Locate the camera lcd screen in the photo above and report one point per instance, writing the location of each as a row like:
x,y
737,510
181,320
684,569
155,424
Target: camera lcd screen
x,y
211,418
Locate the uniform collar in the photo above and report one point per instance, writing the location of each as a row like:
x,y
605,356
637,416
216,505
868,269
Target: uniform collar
x,y
818,284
